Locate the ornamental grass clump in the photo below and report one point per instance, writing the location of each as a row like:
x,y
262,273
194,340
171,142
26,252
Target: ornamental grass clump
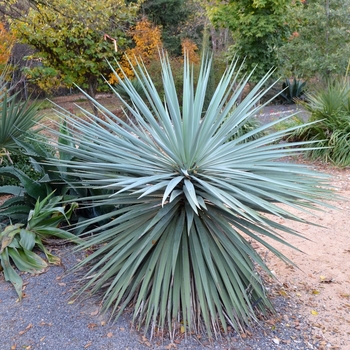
x,y
187,198
329,109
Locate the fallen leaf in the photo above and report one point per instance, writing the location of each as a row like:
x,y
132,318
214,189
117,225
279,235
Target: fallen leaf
x,y
314,312
103,323
62,284
145,341
94,313
92,325
88,344
71,302
283,293
276,341
122,329
109,335
43,338
170,346
26,329
14,347
315,292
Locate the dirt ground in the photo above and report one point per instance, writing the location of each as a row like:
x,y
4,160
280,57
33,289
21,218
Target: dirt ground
x,y
321,283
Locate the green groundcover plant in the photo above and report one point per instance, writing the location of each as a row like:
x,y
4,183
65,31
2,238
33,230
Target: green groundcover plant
x,y
187,199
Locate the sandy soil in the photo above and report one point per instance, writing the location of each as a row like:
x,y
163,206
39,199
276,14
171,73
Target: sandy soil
x,y
321,283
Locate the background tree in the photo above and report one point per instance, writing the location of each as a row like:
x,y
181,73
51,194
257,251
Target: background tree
x,y
170,16
258,27
320,43
76,38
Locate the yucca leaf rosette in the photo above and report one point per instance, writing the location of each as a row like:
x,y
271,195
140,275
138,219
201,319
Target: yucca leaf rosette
x,y
188,196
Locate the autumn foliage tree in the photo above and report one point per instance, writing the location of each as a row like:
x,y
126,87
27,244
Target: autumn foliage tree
x,y
147,42
190,48
7,40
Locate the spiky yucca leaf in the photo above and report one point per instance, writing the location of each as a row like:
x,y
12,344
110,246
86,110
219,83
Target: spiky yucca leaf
x,y
187,196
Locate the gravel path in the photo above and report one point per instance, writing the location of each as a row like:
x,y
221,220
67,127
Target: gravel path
x,y
47,319
274,112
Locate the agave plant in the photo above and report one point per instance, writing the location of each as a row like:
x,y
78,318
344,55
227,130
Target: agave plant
x,y
292,90
18,241
188,197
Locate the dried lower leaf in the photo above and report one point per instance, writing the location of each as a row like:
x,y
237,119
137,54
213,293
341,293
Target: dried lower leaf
x,y
314,312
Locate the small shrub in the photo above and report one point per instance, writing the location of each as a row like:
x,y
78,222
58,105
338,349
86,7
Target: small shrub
x,y
22,162
329,126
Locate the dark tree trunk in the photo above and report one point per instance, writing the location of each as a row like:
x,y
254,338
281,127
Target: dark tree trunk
x,y
91,91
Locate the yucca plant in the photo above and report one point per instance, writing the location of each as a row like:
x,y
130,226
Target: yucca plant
x,y
187,201
16,117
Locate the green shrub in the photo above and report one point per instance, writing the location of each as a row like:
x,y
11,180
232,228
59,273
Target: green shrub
x,y
22,162
330,123
187,197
